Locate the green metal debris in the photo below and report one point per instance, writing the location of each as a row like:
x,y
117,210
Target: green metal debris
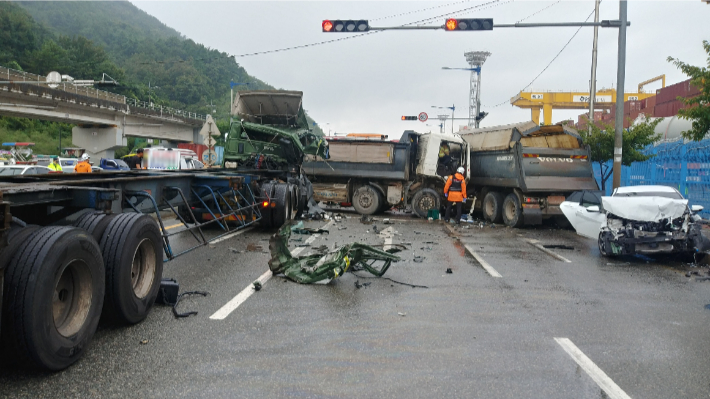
x,y
313,268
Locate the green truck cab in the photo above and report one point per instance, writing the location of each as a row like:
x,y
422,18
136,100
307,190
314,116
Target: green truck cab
x,y
269,136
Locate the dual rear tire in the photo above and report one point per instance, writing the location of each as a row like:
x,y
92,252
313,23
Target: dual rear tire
x,y
60,281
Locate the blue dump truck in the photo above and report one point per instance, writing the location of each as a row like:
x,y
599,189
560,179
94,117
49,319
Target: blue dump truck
x,y
521,173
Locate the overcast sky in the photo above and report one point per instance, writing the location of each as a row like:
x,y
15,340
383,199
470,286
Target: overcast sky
x,y
366,84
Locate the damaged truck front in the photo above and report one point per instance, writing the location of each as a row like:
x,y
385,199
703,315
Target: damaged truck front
x,y
269,137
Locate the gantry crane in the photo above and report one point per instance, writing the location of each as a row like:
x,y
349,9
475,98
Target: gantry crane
x,y
547,101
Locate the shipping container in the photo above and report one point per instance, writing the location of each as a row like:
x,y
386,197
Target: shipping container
x,y
667,109
648,104
197,148
631,106
671,93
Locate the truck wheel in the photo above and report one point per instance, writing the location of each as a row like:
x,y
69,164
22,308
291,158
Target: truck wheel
x,y
281,213
267,213
132,253
512,212
55,285
424,200
95,223
366,200
492,207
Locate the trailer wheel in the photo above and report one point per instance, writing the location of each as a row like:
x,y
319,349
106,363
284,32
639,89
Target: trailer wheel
x,y
424,200
132,252
512,212
55,285
492,207
366,200
95,223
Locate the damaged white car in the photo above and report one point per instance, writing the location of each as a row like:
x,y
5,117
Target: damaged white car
x,y
637,220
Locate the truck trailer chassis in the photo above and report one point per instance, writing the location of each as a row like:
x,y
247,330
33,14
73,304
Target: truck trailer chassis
x,y
61,273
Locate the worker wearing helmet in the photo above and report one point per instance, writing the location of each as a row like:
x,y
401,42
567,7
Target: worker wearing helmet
x,y
83,166
455,192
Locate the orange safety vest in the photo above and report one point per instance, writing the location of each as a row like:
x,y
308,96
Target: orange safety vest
x,y
82,167
456,188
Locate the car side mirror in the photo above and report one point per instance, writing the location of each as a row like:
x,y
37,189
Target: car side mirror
x,y
696,208
593,208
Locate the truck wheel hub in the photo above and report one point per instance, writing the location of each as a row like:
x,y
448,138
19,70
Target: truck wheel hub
x,y
143,268
72,298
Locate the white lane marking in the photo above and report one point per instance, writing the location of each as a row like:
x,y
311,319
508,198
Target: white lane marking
x,y
230,306
234,303
483,263
387,234
535,244
607,384
228,236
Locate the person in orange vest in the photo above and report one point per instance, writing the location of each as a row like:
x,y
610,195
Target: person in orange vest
x,y
83,166
455,193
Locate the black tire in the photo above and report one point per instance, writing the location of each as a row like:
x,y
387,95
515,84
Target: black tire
x,y
267,212
424,200
366,200
562,222
384,205
95,223
51,328
493,206
133,257
603,248
512,211
282,212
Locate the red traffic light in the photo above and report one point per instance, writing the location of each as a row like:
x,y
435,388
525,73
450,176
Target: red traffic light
x,y
327,26
409,118
463,24
345,26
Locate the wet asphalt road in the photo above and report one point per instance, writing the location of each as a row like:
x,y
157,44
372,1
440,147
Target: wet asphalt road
x,y
640,321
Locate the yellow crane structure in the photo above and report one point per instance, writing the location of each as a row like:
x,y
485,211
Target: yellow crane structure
x,y
549,100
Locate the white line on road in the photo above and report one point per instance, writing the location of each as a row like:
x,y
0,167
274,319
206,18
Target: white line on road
x,y
612,390
483,263
234,303
535,244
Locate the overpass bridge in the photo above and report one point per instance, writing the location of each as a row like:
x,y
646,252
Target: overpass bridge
x,y
103,120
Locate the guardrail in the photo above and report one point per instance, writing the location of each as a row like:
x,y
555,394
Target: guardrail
x,y
31,84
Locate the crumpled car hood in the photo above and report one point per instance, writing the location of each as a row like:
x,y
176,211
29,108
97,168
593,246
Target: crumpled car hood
x,y
645,209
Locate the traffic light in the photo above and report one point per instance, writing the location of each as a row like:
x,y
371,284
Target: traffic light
x,y
481,115
409,118
345,26
453,24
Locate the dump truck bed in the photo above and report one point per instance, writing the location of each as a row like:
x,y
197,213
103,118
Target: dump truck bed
x,y
362,159
530,157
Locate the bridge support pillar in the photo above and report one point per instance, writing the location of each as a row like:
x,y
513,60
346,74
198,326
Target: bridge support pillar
x,y
99,141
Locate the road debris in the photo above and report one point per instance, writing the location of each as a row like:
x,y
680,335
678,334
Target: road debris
x,y
236,251
257,285
358,285
419,259
449,271
254,248
313,268
401,314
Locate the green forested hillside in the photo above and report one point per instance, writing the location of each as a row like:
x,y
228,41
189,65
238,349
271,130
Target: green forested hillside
x,y
87,39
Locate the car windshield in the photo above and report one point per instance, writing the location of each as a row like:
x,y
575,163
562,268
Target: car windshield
x,y
10,171
664,194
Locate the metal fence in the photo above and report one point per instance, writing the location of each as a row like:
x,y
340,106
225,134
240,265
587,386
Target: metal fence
x,y
684,166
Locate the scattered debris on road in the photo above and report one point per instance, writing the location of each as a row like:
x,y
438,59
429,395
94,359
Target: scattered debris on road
x,y
449,271
313,268
558,246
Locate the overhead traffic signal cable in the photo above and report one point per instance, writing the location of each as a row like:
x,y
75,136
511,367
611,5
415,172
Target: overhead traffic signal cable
x,y
550,63
489,4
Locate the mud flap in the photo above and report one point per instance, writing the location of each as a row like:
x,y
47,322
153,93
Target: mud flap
x,y
532,216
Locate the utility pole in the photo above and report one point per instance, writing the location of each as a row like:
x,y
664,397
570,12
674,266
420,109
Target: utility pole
x,y
593,83
620,76
475,59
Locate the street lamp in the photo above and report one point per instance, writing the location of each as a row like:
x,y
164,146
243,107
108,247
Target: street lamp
x,y
452,108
